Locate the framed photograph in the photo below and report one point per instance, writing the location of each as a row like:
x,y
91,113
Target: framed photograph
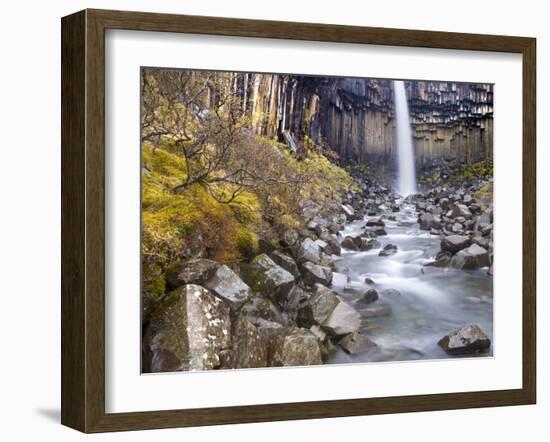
x,y
266,221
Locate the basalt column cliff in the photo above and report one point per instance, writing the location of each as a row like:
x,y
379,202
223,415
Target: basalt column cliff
x,y
355,117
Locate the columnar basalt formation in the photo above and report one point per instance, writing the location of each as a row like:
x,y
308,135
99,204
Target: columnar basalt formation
x,y
355,117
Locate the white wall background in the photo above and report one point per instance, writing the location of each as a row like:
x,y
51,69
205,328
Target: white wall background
x,y
30,216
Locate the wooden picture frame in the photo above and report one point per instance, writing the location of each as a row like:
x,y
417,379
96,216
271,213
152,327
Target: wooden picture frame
x,y
83,220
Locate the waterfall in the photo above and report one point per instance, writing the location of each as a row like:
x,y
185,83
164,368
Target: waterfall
x,y
406,178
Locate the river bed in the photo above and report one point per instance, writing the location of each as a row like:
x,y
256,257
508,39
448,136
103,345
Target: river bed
x,y
429,303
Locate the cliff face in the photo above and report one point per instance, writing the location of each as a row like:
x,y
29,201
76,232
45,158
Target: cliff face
x,y
356,116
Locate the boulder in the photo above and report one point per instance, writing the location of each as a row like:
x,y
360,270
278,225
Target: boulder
x,y
471,258
194,271
307,250
461,210
268,278
466,340
316,310
390,292
286,262
388,250
313,273
369,296
425,221
349,243
356,343
259,307
441,260
292,347
379,222
290,238
339,279
343,319
229,287
187,331
248,347
455,243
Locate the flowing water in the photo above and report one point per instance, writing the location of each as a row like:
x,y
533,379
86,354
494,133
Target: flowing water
x,y
406,184
407,325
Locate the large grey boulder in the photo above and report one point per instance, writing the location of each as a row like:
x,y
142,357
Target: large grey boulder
x,y
268,278
425,220
194,271
291,347
248,347
313,273
229,287
187,331
471,258
286,262
307,250
466,340
461,210
343,319
455,243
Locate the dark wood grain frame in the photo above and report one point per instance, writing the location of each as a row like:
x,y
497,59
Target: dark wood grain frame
x,y
83,220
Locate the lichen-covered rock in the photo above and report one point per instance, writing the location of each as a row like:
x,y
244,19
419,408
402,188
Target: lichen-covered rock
x,y
268,278
461,210
466,340
228,286
455,243
248,347
313,273
194,271
187,331
290,238
291,347
307,250
356,343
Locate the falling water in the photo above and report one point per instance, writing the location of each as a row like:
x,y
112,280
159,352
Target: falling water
x,y
406,181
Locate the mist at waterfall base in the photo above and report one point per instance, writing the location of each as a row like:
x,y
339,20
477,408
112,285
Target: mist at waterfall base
x,y
406,174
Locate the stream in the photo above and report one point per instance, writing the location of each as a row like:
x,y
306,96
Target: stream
x,y
407,324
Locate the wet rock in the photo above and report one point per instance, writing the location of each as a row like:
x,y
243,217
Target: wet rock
x,y
376,231
313,273
307,250
375,311
286,262
187,331
368,297
455,243
356,343
471,258
467,340
194,271
379,222
349,243
390,292
348,211
388,250
441,260
229,287
369,281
